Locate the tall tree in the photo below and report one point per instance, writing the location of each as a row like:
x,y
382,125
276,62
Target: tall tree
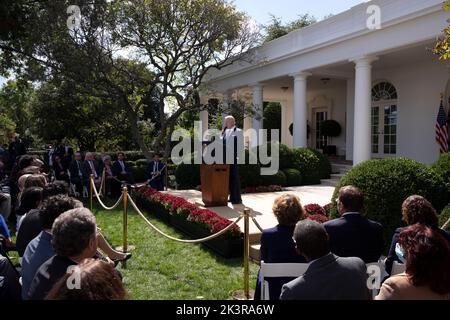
x,y
442,47
170,45
276,29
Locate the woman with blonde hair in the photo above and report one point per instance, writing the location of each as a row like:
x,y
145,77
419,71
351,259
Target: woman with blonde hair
x,y
277,245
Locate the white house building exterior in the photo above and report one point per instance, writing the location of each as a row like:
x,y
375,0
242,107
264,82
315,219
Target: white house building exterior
x,y
381,83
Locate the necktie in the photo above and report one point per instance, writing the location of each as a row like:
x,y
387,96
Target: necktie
x,y
155,167
79,169
122,165
93,169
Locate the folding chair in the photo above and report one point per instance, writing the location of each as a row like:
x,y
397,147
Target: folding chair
x,y
279,270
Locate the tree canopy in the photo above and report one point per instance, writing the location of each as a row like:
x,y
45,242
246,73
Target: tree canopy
x,y
276,29
127,52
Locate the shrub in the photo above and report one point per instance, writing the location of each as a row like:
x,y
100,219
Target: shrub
x,y
293,177
286,157
330,128
139,173
442,168
250,174
444,216
387,183
277,179
187,176
308,163
324,165
142,162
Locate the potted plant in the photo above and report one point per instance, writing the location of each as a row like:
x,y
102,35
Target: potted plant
x,y
330,129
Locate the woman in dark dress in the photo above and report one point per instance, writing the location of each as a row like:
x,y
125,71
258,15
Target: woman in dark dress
x,y
415,209
277,245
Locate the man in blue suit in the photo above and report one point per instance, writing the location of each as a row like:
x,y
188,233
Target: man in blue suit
x,y
352,235
155,173
230,141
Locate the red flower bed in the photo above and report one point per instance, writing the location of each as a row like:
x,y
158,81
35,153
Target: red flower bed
x,y
176,205
315,212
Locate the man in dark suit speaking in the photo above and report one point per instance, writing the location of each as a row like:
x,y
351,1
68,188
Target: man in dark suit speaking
x,y
230,136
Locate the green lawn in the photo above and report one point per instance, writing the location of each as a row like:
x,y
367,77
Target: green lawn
x,y
164,269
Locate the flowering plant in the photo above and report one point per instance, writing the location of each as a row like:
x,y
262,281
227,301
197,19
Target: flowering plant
x,y
176,205
315,212
314,208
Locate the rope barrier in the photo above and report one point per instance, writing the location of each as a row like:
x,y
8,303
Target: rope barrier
x,y
446,225
218,234
101,202
257,224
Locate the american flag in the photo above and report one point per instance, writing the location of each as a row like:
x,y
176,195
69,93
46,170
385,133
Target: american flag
x,y
442,130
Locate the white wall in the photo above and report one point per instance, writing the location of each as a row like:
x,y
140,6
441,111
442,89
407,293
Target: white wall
x,y
419,87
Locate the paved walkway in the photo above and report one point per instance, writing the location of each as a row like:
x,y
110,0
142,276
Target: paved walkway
x,y
261,204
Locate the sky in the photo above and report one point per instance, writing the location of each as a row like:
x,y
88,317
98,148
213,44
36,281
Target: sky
x,y
287,10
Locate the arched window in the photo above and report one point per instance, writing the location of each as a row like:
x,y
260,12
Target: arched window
x,y
384,91
384,120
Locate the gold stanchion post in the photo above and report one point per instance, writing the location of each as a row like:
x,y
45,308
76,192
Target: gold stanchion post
x,y
125,223
104,182
246,252
91,191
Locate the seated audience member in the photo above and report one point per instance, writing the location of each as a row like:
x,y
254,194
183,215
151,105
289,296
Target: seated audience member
x,y
40,248
121,169
352,235
91,167
98,281
328,276
35,180
2,170
30,225
155,173
110,177
60,169
415,209
76,170
277,245
29,200
5,202
427,256
77,224
5,236
9,281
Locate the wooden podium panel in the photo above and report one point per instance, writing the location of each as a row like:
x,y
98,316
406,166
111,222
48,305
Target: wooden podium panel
x,y
215,184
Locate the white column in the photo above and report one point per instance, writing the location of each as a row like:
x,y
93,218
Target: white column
x,y
204,120
363,103
300,110
258,101
227,99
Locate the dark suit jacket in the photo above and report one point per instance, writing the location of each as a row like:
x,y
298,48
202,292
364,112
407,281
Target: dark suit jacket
x,y
352,235
30,227
117,168
47,275
277,246
392,256
87,169
149,170
330,278
73,169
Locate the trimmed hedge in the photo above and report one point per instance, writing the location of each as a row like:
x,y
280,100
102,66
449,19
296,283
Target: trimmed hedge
x,y
444,216
324,165
278,179
142,162
187,176
293,177
442,168
308,163
139,173
387,183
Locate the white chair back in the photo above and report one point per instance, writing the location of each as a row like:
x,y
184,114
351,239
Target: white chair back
x,y
279,270
397,268
377,273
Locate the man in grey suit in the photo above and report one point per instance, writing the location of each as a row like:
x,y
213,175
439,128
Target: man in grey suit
x,y
328,276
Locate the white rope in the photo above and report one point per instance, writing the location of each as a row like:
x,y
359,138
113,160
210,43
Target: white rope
x,y
446,225
257,224
101,202
181,240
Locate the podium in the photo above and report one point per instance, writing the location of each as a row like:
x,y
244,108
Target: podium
x,y
215,184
